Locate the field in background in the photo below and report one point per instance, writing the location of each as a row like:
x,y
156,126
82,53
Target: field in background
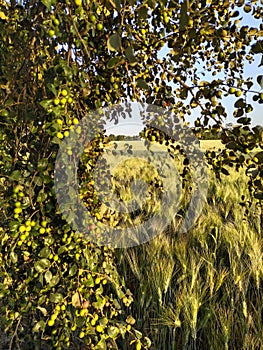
x,y
200,289
211,145
137,145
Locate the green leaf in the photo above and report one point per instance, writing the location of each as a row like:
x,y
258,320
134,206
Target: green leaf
x,y
46,104
42,164
54,281
138,334
258,195
118,4
56,298
114,42
240,103
184,94
244,120
259,157
49,240
225,171
130,320
43,310
257,47
42,265
113,62
47,3
142,12
42,299
39,326
13,257
45,252
76,302
62,249
90,282
141,83
42,196
15,175
48,276
252,171
73,270
99,304
260,80
113,332
130,55
52,88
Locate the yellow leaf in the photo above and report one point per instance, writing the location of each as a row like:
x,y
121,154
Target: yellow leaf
x,y
76,302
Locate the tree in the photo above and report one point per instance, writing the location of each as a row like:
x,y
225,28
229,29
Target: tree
x,y
59,61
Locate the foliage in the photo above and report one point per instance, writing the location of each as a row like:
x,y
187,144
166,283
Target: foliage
x,y
61,60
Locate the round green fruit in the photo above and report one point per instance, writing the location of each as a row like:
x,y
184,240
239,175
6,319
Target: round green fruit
x,y
220,56
56,101
83,312
54,316
4,113
99,26
63,101
22,228
93,18
51,33
56,22
64,92
60,135
51,323
248,109
166,20
18,210
78,3
99,328
44,223
16,189
81,334
232,90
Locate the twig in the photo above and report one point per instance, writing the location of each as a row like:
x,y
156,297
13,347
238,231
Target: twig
x,y
15,335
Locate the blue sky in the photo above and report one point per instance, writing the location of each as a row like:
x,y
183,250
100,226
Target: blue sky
x,y
134,125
